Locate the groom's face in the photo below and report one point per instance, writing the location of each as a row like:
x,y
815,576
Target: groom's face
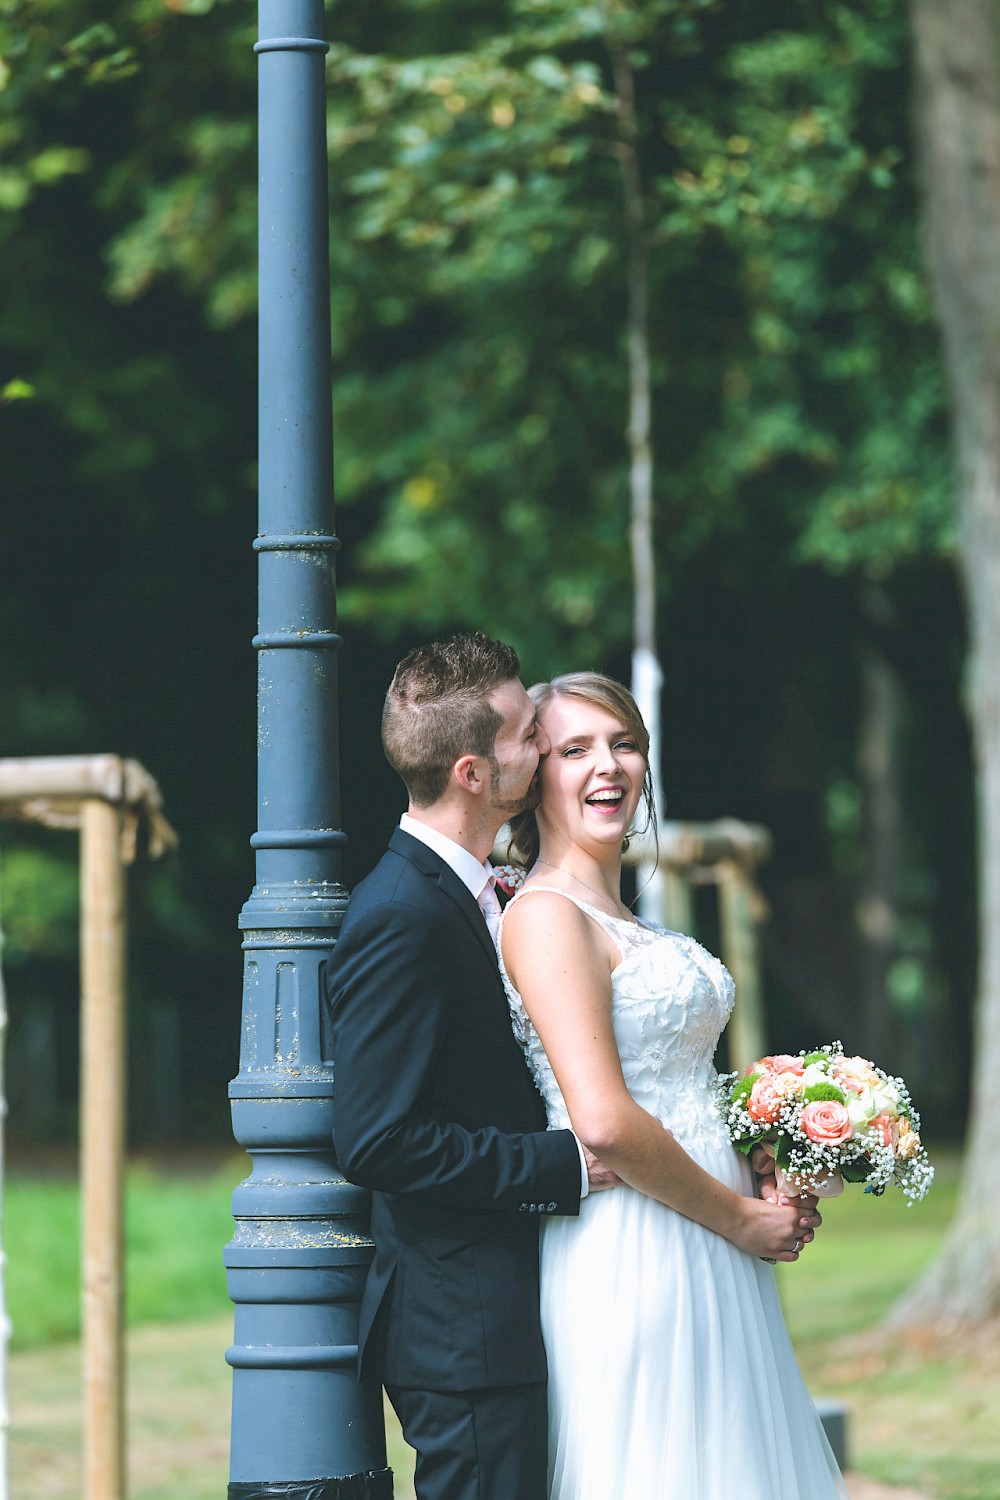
x,y
519,743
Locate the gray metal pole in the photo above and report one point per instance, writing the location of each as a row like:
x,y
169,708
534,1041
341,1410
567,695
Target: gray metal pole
x,y
303,1426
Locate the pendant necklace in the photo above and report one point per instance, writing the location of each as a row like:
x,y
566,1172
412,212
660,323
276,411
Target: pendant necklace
x,y
602,894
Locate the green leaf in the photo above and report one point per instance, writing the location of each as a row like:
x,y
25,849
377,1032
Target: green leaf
x,y
17,390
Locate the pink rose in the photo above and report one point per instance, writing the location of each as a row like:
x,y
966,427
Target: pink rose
x,y
826,1122
856,1067
782,1062
764,1103
849,1081
787,1083
886,1129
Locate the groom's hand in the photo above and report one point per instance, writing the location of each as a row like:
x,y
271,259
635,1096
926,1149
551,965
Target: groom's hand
x,y
598,1175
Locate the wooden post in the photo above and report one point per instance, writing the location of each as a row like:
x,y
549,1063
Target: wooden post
x,y
677,913
102,1144
739,953
108,799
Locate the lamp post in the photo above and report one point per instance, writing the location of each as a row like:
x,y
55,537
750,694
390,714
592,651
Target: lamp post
x,y
303,1426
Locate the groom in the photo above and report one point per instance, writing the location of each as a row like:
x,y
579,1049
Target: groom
x,y
434,1107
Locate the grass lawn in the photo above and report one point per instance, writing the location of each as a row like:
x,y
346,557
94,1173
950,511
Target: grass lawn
x,y
175,1228
924,1409
924,1405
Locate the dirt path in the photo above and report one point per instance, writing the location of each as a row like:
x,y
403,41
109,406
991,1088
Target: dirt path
x,y
178,1414
870,1489
179,1400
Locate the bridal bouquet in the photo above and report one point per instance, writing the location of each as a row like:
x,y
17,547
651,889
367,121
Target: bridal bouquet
x,y
827,1119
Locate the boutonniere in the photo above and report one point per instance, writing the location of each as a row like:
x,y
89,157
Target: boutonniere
x,y
508,879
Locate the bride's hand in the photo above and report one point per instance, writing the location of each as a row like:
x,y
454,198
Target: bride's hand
x,y
773,1231
762,1166
762,1162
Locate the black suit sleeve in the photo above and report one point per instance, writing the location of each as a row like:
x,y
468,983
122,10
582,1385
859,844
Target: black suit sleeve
x,y
392,986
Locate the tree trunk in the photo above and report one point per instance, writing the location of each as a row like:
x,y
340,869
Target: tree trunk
x,y
958,122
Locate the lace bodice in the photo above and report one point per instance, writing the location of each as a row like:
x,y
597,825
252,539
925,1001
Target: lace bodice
x,y
670,999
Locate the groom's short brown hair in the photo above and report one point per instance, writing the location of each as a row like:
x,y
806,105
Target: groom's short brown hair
x,y
437,709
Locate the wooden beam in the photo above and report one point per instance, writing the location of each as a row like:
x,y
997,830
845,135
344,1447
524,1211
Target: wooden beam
x,y
102,1143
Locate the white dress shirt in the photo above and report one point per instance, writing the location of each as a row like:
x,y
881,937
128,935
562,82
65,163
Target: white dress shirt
x,y
478,879
465,865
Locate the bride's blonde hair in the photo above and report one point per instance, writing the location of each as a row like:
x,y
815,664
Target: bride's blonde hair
x,y
615,698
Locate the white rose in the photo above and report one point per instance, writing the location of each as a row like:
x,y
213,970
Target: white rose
x,y
861,1108
885,1098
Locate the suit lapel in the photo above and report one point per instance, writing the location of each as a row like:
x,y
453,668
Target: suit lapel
x,y
438,870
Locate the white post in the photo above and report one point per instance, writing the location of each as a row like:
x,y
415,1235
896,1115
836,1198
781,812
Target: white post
x,y
102,1147
654,889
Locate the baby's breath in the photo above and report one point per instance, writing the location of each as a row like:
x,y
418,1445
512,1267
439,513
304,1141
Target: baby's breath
x,y
870,1096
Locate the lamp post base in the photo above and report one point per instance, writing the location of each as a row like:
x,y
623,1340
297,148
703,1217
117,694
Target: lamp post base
x,y
376,1485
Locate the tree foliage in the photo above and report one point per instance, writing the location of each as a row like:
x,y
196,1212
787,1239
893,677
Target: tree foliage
x,y
479,300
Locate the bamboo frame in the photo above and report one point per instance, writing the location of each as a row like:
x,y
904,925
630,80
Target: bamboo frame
x,y
725,852
739,918
102,1148
107,798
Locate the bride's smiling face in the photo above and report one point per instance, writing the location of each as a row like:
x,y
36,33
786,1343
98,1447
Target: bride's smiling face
x,y
592,777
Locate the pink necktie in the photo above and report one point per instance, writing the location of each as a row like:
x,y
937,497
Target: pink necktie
x,y
490,907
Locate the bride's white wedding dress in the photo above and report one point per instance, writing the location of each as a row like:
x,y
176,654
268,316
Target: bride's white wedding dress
x,y
671,1374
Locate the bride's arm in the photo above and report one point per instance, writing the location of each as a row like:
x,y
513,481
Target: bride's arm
x,y
559,961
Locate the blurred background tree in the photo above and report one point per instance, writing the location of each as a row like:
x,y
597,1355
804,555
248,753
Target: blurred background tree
x,y
809,622
958,115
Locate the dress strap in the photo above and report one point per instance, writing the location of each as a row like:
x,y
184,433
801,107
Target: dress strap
x,y
610,924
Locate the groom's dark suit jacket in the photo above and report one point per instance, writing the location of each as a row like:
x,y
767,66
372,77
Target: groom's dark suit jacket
x,y
436,1112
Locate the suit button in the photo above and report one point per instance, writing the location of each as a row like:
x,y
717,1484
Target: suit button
x,y
522,1208
551,1208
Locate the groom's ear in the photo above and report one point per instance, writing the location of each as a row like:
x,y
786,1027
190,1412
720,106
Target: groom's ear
x,y
469,771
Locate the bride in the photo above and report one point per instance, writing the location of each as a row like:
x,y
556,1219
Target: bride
x,y
671,1374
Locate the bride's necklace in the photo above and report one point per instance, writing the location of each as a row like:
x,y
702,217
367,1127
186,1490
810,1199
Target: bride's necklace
x,y
563,871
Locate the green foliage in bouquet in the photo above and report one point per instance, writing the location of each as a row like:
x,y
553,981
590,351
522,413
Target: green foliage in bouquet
x,y
824,1091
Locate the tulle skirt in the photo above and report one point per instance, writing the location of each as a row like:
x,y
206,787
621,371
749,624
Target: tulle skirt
x,y
671,1374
